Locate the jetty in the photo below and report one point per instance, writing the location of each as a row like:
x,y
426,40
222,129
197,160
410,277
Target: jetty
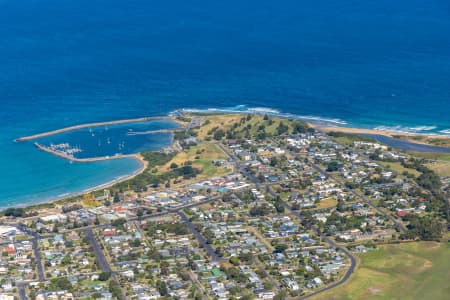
x,y
70,157
155,131
90,125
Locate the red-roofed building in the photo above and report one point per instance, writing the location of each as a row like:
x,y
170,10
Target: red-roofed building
x,y
11,249
109,232
401,213
119,209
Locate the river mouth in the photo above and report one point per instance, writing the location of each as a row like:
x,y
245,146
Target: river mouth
x,y
406,145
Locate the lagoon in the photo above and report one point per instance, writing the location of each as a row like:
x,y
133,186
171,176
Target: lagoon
x,y
406,145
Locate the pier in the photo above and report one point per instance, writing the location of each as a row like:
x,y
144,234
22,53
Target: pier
x,y
89,125
155,131
82,160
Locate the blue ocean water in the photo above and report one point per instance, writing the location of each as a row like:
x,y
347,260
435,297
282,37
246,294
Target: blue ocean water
x,y
361,63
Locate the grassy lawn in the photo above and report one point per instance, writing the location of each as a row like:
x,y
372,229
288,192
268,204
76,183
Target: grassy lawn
x,y
432,155
397,167
221,121
201,157
404,271
442,168
326,203
346,138
226,122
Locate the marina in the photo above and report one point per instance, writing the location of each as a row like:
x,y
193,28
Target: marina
x,y
69,154
98,143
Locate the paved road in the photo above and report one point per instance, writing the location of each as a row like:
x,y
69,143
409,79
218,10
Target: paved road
x,y
214,256
22,293
39,267
36,236
101,259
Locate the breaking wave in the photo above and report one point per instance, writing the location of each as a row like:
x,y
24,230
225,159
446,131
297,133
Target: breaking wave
x,y
269,111
405,129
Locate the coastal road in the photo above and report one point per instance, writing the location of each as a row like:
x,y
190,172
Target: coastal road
x,y
22,291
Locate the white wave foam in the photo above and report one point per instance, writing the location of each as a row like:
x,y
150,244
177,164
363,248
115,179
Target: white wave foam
x,y
423,128
326,120
405,129
269,111
445,131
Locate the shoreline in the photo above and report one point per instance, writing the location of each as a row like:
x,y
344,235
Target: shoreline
x,y
143,163
138,157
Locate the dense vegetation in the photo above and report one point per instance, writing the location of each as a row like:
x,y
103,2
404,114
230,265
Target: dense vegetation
x,y
426,228
351,136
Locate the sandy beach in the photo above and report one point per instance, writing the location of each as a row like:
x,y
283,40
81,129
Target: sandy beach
x,y
143,166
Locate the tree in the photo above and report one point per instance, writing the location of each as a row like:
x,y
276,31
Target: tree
x,y
282,295
219,134
14,212
333,166
261,177
61,283
119,223
66,260
114,288
235,261
280,248
173,165
103,276
426,228
116,198
162,288
282,128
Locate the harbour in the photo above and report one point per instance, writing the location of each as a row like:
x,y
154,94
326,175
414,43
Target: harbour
x,y
108,140
90,125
